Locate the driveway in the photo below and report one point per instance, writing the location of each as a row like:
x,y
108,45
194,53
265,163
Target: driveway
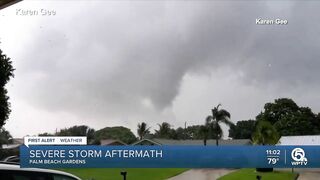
x,y
202,174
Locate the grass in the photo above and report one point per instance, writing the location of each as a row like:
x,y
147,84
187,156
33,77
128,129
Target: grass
x,y
251,174
132,173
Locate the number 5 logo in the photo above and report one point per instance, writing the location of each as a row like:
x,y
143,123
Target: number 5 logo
x,y
298,154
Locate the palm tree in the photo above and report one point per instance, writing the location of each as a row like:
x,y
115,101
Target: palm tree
x,y
164,130
142,130
213,122
265,134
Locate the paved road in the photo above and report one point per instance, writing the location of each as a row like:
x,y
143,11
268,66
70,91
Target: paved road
x,y
202,174
212,174
306,174
309,176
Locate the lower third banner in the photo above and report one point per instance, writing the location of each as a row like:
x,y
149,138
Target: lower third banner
x,y
170,156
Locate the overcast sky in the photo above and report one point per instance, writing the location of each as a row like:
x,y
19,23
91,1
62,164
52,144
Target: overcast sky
x,y
108,63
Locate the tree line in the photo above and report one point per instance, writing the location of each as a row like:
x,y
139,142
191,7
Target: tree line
x,y
282,117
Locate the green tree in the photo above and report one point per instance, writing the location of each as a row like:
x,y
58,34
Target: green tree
x,y
5,137
6,72
213,122
243,129
143,130
119,133
273,112
194,132
317,121
181,133
164,131
288,118
265,134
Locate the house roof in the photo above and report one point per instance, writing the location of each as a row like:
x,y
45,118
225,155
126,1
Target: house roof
x,y
105,142
194,142
300,140
147,140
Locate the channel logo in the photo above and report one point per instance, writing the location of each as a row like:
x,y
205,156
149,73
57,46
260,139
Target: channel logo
x,y
299,157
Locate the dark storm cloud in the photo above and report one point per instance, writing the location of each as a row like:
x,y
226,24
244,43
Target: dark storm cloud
x,y
110,57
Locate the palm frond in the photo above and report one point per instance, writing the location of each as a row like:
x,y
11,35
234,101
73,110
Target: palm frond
x,y
265,134
223,112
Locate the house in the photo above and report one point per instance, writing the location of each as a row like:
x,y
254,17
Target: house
x,y
300,140
210,142
111,142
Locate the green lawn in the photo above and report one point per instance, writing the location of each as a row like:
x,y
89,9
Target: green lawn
x,y
133,173
251,174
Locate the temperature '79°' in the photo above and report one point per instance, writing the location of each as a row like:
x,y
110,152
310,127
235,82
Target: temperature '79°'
x,y
273,160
